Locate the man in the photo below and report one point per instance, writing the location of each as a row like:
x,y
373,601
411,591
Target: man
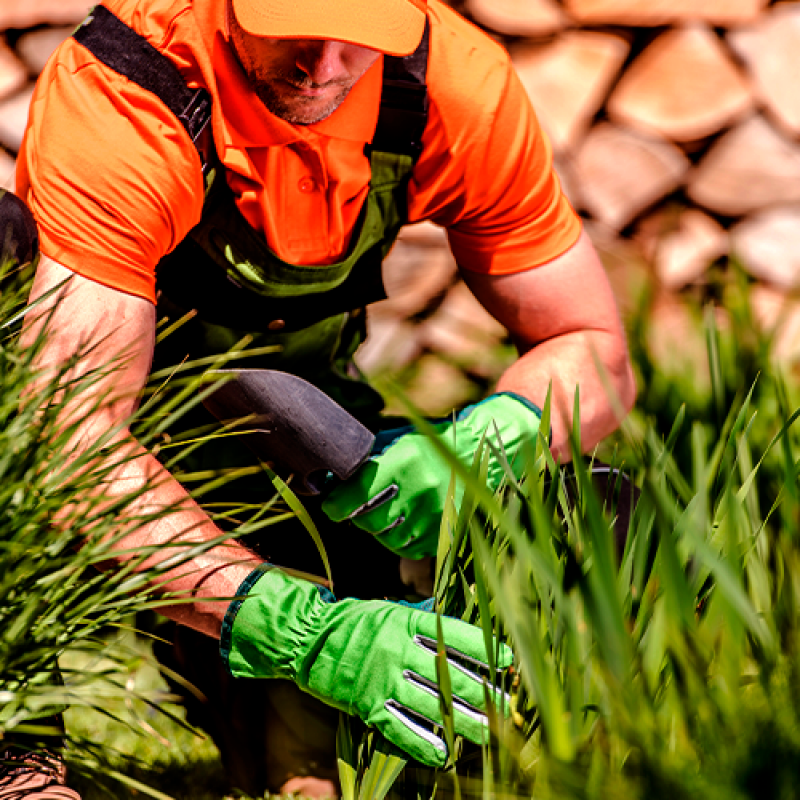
x,y
313,169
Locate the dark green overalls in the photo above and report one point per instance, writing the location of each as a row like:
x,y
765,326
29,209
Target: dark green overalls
x,y
226,273
225,270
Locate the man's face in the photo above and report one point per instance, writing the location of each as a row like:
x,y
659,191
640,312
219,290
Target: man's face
x,y
300,80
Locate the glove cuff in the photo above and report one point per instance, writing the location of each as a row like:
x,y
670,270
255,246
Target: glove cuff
x,y
226,634
467,411
265,629
531,406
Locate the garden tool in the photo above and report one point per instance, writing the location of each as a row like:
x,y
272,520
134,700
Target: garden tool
x,y
371,658
290,423
398,497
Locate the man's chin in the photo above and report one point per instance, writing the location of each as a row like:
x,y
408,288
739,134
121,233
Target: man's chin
x,y
301,110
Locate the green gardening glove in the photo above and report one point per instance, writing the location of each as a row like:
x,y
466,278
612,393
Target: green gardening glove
x,y
369,658
399,493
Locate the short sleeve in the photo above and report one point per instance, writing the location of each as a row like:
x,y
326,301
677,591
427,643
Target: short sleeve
x,y
486,173
110,174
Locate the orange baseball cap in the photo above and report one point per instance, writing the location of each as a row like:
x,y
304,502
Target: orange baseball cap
x,y
394,27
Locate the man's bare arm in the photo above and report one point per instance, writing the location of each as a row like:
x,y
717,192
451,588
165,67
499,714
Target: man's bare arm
x,y
563,318
121,327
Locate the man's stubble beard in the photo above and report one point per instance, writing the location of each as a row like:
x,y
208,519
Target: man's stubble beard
x,y
302,111
298,110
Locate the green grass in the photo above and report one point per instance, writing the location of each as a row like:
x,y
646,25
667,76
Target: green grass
x,y
670,669
59,607
144,742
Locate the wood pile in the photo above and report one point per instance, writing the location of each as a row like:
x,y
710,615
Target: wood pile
x,y
673,122
675,126
29,32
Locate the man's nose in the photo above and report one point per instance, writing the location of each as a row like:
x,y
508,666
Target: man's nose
x,y
322,60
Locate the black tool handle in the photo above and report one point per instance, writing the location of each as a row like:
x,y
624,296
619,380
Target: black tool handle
x,y
295,425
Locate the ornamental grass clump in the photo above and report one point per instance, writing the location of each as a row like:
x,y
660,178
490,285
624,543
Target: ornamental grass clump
x,y
59,530
656,653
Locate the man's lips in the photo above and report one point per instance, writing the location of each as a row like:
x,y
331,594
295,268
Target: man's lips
x,y
310,91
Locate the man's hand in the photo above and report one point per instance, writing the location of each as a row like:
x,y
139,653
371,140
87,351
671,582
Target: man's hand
x,y
563,318
370,658
399,494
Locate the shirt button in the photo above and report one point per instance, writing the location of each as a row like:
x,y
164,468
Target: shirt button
x,y
307,185
277,325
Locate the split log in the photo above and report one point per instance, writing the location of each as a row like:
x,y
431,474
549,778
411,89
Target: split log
x,y
419,269
620,173
676,341
567,81
769,246
518,17
662,12
748,169
770,50
14,118
684,86
779,316
29,13
684,246
8,168
36,47
463,331
13,74
391,344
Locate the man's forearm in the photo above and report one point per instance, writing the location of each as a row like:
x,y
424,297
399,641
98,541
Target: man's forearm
x,y
568,363
564,320
110,335
177,524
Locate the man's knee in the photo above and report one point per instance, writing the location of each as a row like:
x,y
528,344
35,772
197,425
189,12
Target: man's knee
x,y
19,237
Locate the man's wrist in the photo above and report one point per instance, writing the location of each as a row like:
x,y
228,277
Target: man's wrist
x,y
267,627
229,619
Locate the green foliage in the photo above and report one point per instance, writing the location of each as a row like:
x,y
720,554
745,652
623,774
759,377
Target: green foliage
x,y
669,667
64,614
368,771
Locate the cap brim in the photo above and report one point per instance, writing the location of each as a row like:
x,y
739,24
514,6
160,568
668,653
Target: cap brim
x,y
394,27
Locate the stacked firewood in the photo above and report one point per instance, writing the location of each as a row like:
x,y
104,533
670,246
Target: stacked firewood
x,y
676,121
33,29
675,126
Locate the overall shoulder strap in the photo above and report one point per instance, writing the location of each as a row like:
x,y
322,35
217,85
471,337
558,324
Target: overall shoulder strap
x,y
128,53
404,98
404,102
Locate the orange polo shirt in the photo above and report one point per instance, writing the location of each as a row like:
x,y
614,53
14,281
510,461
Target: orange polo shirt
x,y
115,183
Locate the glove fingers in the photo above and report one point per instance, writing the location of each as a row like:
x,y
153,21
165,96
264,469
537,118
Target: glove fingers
x,y
378,515
466,683
419,690
416,734
466,639
401,540
350,495
422,695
